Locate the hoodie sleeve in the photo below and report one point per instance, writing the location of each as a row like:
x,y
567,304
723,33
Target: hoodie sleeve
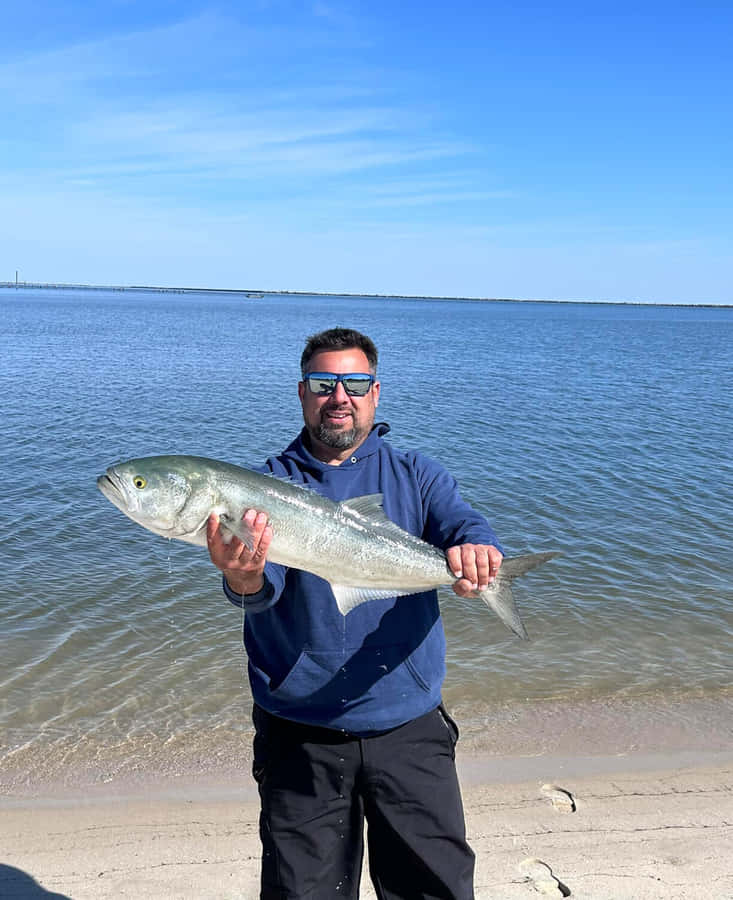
x,y
266,597
449,520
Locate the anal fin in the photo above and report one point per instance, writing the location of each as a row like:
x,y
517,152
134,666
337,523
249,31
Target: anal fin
x,y
348,598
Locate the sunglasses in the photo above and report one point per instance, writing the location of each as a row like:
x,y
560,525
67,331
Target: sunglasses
x,y
356,384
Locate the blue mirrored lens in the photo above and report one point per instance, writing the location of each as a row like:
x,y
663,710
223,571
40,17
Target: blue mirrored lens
x,y
356,384
321,384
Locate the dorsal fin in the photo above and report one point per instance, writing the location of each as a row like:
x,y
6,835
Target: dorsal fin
x,y
367,510
368,506
288,479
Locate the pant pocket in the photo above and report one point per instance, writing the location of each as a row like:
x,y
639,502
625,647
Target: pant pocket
x,y
449,724
260,744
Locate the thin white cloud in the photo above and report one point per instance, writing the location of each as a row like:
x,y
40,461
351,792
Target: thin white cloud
x,y
87,113
194,130
54,75
209,49
434,198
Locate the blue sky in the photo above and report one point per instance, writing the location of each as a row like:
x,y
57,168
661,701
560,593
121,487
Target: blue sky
x,y
569,151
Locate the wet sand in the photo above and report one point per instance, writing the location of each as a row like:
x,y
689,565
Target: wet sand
x,y
638,826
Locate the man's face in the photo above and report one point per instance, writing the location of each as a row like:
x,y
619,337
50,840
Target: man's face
x,y
338,421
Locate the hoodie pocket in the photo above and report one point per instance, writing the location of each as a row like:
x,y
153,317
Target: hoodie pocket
x,y
341,677
312,671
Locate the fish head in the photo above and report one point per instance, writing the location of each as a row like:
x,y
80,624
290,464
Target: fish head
x,y
159,493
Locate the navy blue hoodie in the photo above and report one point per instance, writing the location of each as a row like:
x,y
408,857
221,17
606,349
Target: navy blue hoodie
x,y
383,664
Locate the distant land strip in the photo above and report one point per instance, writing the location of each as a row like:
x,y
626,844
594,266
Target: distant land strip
x,y
255,293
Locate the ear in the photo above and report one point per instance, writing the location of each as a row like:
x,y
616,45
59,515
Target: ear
x,y
301,390
376,387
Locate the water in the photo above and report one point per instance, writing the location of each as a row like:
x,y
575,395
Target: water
x,y
603,431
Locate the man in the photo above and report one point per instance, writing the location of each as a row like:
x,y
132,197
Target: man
x,y
348,717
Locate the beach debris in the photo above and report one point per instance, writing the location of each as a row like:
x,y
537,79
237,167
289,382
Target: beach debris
x,y
542,878
562,800
353,545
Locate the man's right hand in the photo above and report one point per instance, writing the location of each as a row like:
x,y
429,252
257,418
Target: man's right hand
x,y
242,568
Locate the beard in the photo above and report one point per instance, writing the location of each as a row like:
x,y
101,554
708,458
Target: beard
x,y
334,434
337,438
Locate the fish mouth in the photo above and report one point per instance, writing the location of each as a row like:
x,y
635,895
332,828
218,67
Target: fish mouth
x,y
108,484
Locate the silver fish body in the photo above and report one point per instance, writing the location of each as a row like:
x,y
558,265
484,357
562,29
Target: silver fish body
x,y
352,544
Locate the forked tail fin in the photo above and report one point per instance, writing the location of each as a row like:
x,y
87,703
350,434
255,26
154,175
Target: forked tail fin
x,y
498,596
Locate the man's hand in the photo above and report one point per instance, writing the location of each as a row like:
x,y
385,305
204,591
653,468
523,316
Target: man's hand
x,y
243,568
475,565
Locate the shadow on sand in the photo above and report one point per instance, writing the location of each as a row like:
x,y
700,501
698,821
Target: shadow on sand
x,y
15,884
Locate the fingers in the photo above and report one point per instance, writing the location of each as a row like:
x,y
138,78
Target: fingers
x,y
261,534
220,550
234,555
453,558
475,565
464,588
495,559
254,524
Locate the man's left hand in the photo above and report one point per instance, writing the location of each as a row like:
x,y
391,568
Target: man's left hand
x,y
475,565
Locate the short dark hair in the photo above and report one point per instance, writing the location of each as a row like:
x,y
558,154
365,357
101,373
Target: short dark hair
x,y
339,339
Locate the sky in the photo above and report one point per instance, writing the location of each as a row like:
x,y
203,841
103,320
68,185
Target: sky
x,y
576,151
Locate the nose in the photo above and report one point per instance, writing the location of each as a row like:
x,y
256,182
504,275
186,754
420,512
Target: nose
x,y
339,394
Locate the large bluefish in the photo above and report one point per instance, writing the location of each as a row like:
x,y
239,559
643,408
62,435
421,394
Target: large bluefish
x,y
352,544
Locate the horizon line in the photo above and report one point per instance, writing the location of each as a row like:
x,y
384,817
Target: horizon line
x,y
258,293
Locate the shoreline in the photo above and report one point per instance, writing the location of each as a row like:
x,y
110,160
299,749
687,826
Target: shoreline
x,y
259,293
513,737
643,828
476,770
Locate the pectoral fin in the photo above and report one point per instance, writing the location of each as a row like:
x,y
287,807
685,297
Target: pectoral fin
x,y
231,526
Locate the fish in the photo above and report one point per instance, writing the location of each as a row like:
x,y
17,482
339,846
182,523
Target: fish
x,y
351,544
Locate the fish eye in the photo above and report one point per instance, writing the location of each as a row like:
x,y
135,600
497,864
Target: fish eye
x,y
139,482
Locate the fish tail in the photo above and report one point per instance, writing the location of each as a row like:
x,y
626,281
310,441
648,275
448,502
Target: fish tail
x,y
499,597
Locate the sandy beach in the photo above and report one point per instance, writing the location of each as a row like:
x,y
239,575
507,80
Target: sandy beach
x,y
632,827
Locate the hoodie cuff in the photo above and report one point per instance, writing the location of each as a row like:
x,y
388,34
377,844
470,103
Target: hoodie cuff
x,y
251,602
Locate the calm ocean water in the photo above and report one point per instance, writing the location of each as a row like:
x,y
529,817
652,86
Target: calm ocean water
x,y
603,431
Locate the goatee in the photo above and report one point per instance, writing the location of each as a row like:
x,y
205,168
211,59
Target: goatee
x,y
337,438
